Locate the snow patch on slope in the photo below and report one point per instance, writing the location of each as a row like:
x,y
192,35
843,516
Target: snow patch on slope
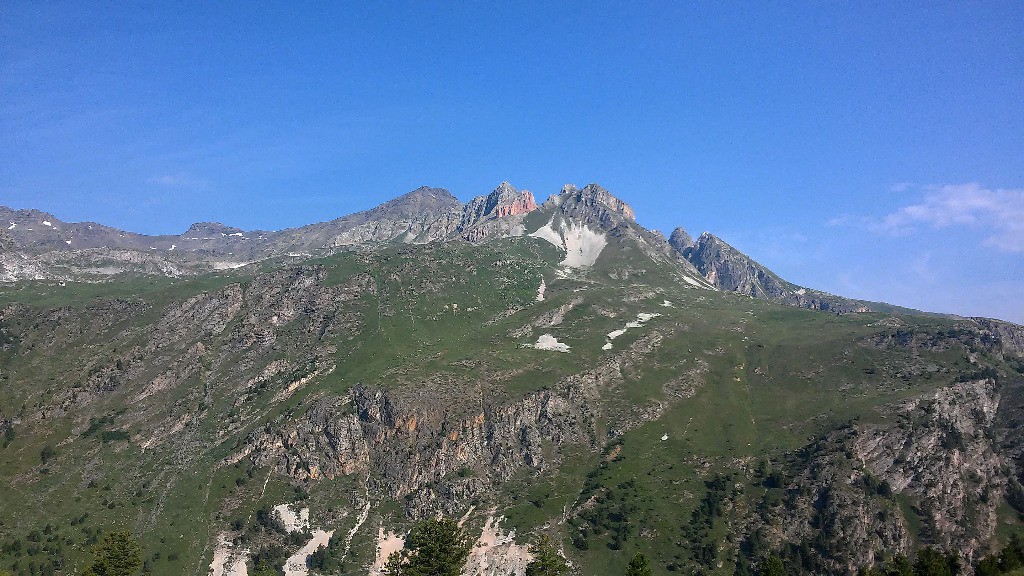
x,y
641,319
581,244
546,232
549,342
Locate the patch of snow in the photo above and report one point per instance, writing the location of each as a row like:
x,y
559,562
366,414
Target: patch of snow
x,y
173,246
546,232
582,246
229,265
68,242
235,234
540,290
801,291
11,227
664,437
667,304
641,319
296,563
549,342
47,223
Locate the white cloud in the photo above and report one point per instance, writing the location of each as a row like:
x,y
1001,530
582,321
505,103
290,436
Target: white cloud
x,y
998,212
176,181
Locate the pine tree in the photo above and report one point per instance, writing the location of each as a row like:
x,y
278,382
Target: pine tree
x,y
546,559
119,554
433,548
638,566
772,566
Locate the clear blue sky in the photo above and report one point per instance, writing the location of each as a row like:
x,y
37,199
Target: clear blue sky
x,y
874,150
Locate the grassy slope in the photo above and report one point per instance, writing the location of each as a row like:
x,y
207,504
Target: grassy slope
x,y
774,377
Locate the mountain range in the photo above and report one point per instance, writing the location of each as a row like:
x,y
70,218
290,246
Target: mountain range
x,y
554,368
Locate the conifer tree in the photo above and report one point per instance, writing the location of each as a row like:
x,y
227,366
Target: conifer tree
x,y
638,566
546,559
119,554
433,548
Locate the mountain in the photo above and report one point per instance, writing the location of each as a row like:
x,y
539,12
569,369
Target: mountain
x,y
729,269
553,368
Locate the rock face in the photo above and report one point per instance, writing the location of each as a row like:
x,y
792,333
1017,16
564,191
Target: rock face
x,y
680,240
836,504
499,213
941,455
593,202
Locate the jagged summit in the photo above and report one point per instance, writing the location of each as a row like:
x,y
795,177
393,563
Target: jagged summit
x,y
503,201
592,203
680,239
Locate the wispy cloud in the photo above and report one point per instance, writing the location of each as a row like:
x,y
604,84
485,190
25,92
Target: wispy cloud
x,y
176,181
999,213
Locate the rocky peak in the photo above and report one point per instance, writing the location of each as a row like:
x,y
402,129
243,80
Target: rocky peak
x,y
423,201
593,195
505,200
680,240
210,230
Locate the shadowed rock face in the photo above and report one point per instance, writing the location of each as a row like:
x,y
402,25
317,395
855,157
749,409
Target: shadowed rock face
x,y
680,240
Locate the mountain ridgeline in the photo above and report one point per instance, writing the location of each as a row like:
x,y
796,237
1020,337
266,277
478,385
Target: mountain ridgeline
x,y
296,400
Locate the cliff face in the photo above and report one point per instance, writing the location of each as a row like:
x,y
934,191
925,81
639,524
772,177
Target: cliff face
x,y
497,214
941,455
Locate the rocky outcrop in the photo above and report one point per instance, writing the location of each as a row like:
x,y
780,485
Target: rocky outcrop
x,y
835,510
1010,336
592,204
729,269
680,240
432,459
941,456
496,214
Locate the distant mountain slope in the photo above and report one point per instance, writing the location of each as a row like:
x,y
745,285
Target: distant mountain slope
x,y
35,245
729,269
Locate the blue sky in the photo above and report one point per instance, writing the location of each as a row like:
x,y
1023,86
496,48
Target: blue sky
x,y
875,150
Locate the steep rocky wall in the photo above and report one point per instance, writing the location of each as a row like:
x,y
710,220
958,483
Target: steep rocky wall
x,y
940,453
